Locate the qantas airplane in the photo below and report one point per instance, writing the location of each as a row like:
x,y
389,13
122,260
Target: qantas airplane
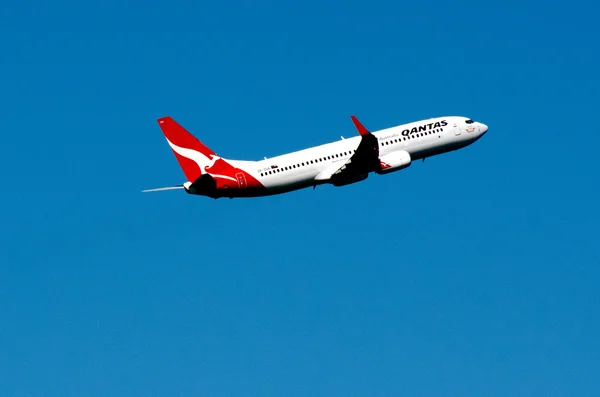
x,y
338,163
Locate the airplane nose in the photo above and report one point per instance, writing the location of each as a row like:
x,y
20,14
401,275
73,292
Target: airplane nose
x,y
483,128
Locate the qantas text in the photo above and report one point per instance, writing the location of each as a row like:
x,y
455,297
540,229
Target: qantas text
x,y
425,127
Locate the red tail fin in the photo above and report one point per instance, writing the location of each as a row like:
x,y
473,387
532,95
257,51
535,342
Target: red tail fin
x,y
191,154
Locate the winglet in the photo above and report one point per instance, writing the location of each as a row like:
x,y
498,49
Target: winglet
x,y
361,128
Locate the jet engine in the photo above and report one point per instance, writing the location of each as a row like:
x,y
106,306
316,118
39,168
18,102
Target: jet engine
x,y
394,161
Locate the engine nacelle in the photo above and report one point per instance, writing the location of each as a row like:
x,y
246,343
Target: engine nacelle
x,y
394,161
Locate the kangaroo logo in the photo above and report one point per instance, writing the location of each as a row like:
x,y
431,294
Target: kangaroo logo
x,y
214,158
203,162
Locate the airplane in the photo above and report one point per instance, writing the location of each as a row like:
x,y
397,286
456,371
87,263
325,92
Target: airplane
x,y
337,163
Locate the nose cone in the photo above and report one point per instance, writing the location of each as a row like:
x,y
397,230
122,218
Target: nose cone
x,y
482,128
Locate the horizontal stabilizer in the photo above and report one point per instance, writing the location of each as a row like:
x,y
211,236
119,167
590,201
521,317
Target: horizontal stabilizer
x,y
160,189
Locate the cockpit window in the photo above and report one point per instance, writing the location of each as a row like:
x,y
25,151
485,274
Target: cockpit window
x,y
469,121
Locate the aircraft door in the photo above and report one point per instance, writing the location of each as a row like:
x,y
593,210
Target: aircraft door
x,y
241,178
456,129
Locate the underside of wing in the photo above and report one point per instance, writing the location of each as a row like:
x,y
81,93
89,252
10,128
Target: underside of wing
x,y
364,160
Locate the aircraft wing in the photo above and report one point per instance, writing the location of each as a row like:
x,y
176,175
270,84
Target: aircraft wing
x,y
364,160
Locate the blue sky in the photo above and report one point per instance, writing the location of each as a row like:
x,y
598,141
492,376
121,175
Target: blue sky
x,y
474,273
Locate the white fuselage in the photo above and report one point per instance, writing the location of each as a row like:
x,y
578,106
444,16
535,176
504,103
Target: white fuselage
x,y
420,139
